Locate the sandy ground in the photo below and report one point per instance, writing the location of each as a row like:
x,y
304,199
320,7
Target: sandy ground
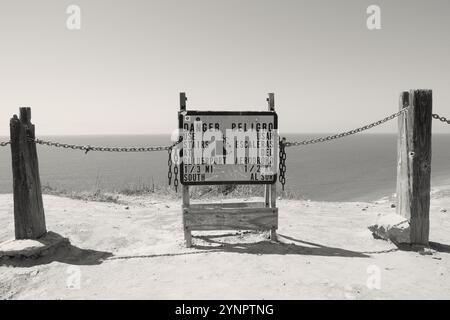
x,y
136,251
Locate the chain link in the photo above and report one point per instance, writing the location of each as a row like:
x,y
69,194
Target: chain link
x,y
4,143
347,133
443,119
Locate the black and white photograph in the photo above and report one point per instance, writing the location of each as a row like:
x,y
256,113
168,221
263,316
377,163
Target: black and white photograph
x,y
224,154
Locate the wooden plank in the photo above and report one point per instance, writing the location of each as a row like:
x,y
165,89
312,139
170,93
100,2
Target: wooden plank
x,y
211,210
227,205
248,219
29,218
415,165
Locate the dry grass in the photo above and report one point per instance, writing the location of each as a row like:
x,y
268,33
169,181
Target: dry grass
x,y
141,189
93,195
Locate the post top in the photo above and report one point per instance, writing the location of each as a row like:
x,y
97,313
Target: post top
x,y
183,100
271,101
25,114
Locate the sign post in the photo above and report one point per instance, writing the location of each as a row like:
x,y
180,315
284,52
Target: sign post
x,y
229,147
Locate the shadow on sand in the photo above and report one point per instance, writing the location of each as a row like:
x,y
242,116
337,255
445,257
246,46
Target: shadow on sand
x,y
439,247
64,252
436,246
271,247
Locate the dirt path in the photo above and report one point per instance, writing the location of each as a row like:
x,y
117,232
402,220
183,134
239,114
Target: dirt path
x,y
136,251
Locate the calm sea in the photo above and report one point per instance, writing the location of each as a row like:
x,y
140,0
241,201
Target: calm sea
x,y
360,168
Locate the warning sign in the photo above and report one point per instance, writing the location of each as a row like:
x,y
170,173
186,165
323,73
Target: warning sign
x,y
228,147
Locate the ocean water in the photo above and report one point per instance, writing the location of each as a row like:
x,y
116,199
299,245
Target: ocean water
x,y
357,168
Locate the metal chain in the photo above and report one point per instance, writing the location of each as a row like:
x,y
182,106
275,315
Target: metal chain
x,y
169,164
176,170
347,133
88,148
443,119
4,143
175,178
174,163
282,165
284,144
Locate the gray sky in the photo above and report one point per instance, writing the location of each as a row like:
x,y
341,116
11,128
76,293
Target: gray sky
x,y
122,72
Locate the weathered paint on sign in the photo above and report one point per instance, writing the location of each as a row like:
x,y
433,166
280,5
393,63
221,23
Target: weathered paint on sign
x,y
228,147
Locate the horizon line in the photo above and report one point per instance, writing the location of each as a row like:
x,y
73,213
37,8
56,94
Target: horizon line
x,y
168,134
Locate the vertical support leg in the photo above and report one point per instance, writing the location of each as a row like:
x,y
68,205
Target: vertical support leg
x,y
273,204
188,237
272,188
402,167
267,194
186,200
186,203
414,163
273,234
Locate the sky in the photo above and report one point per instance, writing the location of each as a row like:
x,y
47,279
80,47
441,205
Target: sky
x,y
122,72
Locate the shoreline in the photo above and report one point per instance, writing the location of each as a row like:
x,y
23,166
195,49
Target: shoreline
x,y
103,195
215,193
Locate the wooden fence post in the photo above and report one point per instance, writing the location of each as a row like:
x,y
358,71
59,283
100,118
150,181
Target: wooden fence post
x,y
414,163
29,218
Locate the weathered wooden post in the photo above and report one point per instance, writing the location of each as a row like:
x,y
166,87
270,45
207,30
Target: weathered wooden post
x,y
271,189
267,188
414,163
186,200
29,218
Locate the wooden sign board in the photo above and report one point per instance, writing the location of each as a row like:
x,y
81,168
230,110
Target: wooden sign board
x,y
228,147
